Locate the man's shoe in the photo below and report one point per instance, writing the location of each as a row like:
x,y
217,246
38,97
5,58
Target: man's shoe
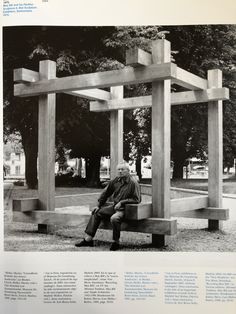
x,y
84,243
115,246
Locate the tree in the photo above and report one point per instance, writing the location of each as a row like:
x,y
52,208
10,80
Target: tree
x,y
200,48
76,50
20,115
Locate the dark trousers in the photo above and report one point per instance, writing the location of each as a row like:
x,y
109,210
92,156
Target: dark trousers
x,y
106,212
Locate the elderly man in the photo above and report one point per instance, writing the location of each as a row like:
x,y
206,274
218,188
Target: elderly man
x,y
124,189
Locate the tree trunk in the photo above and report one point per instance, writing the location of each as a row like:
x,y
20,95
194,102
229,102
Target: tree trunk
x,y
138,166
93,171
31,154
179,161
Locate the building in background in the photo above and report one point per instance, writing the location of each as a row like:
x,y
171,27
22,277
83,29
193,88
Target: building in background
x,y
14,162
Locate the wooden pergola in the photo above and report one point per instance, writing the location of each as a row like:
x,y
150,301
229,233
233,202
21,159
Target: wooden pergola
x,y
157,68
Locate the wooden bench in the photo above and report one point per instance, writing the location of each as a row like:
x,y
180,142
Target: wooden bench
x,y
28,211
138,217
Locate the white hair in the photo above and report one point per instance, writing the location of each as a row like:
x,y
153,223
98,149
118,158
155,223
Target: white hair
x,y
124,164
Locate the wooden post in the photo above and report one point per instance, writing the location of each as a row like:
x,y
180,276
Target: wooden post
x,y
161,93
215,155
46,144
116,132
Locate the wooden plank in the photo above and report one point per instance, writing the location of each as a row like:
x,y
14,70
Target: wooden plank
x,y
151,225
116,133
199,96
137,57
29,204
215,148
51,218
157,226
138,211
76,200
132,211
188,80
123,104
161,140
91,94
25,205
146,189
188,203
144,210
212,213
23,75
180,98
128,75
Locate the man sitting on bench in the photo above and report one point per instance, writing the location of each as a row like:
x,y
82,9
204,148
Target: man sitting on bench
x,y
124,189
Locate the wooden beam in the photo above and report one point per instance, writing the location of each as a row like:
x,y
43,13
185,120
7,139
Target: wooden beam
x,y
199,96
215,148
25,205
180,98
212,213
23,75
152,225
188,80
29,204
128,75
42,217
157,226
26,76
161,140
138,211
137,57
91,94
189,207
144,210
116,132
188,203
46,142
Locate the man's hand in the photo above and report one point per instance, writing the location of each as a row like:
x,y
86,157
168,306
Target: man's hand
x,y
118,206
95,210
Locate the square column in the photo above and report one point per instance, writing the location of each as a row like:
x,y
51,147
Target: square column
x,y
46,143
116,132
215,148
161,92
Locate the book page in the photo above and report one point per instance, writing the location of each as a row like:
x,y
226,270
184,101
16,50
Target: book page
x,y
86,42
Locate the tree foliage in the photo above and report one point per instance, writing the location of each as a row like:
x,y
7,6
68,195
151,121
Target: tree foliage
x,y
201,48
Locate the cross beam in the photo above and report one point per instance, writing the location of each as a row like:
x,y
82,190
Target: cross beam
x,y
126,76
180,98
137,57
27,76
